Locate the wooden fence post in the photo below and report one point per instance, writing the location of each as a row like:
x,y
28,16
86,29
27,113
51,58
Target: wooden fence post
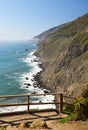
x,y
28,108
61,103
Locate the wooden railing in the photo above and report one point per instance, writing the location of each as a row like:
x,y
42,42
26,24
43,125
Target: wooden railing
x,y
60,102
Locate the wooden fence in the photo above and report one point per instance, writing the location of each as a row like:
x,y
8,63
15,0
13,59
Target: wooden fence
x,y
28,102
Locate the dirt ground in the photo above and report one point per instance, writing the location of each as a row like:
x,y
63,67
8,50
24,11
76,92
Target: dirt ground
x,y
12,122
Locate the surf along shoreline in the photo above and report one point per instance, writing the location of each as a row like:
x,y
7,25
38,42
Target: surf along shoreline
x,y
38,86
37,77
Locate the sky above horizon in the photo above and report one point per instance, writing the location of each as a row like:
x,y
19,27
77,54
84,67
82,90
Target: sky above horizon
x,y
24,19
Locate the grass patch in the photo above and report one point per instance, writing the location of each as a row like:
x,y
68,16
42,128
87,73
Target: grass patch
x,y
70,117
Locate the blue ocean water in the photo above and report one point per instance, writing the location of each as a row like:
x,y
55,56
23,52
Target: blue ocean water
x,y
12,67
18,65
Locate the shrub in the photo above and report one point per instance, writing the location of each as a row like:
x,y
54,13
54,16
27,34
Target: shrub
x,y
81,108
68,109
2,128
77,112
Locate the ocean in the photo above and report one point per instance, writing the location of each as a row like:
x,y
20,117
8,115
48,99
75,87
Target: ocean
x,y
18,66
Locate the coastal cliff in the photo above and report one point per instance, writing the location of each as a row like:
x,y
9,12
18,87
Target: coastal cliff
x,y
63,51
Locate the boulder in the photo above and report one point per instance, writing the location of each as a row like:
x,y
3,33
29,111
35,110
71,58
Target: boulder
x,y
27,78
26,49
46,91
23,125
28,84
38,124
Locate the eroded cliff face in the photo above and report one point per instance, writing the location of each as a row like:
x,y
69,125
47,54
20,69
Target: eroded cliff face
x,y
64,54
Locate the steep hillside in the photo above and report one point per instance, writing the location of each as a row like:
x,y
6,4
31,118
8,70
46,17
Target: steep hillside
x,y
64,54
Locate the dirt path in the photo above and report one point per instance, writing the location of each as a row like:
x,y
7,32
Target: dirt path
x,y
51,118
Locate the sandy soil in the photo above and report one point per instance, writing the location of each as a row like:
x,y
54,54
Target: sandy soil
x,y
51,118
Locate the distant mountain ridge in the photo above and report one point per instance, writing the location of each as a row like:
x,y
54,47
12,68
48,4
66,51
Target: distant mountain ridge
x,y
49,31
64,53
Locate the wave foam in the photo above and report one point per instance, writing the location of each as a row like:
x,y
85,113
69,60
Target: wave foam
x,y
28,78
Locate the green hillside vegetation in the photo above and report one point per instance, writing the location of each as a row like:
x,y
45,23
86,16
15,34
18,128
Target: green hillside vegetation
x,y
64,54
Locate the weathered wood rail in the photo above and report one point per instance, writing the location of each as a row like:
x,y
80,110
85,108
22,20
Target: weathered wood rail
x,y
60,102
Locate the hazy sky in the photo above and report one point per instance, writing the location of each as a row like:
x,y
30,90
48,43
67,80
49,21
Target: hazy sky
x,y
23,19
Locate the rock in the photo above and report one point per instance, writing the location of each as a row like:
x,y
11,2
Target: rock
x,y
23,124
26,49
35,60
46,91
40,101
32,80
27,78
33,92
27,87
38,124
27,84
35,86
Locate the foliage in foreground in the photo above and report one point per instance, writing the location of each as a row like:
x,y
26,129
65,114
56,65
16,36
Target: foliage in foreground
x,y
2,128
81,108
79,111
70,117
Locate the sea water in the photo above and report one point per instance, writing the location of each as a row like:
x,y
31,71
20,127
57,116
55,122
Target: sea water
x,y
18,66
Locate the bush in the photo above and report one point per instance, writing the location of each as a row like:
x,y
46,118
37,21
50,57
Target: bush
x,y
77,112
68,109
81,108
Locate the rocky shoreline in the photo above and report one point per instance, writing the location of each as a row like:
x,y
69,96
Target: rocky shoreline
x,y
38,81
39,77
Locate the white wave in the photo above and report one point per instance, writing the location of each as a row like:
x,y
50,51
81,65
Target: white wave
x,y
12,109
32,61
